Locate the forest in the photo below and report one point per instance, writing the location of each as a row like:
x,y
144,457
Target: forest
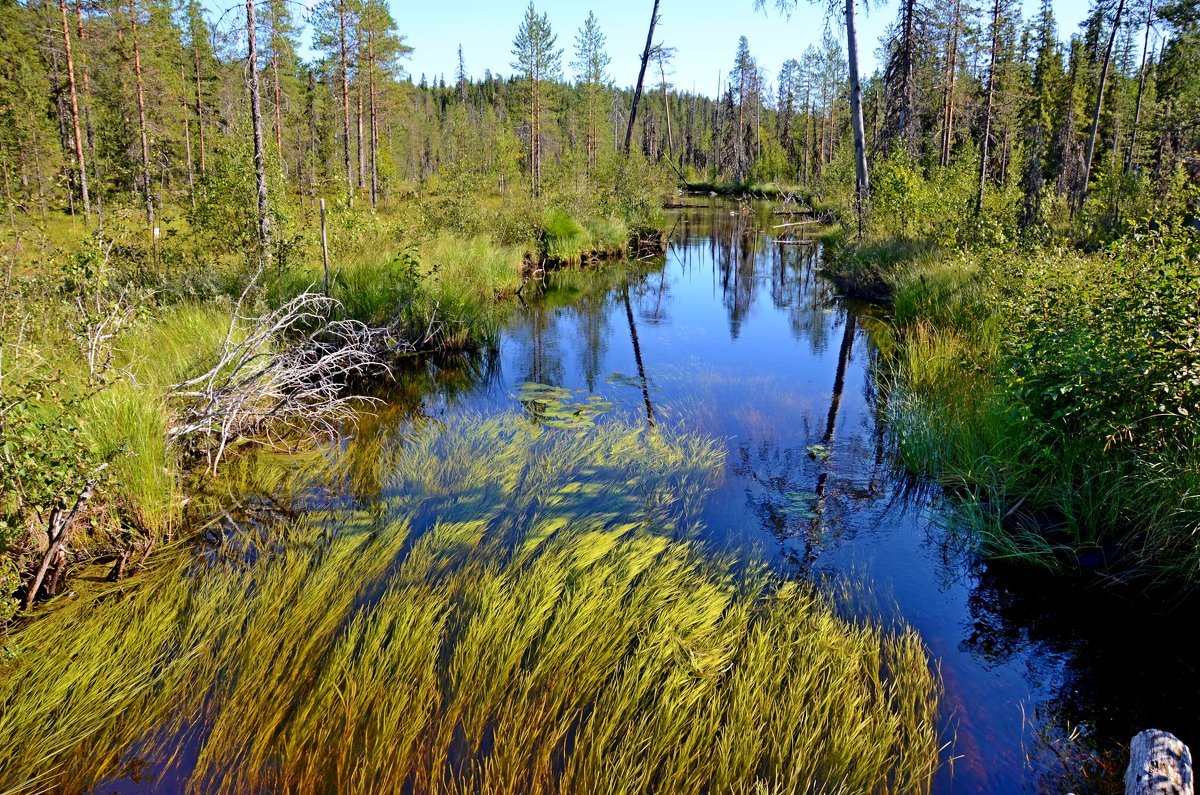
x,y
324,465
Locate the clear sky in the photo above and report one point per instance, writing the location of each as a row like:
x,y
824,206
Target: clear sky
x,y
704,33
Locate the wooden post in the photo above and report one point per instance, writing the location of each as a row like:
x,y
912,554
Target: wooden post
x,y
324,247
1159,764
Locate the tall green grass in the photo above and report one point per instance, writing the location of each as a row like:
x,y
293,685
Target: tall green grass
x,y
518,610
1050,389
568,240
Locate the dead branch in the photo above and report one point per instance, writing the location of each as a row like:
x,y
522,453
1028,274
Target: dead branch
x,y
98,325
277,375
59,527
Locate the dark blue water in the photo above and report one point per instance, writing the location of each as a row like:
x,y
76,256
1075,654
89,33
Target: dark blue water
x,y
736,334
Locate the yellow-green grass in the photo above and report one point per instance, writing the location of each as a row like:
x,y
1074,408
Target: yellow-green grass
x,y
523,611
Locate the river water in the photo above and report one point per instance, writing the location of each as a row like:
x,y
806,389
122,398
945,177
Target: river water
x,y
736,334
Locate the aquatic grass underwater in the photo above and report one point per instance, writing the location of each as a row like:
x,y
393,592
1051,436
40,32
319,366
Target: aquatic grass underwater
x,y
513,609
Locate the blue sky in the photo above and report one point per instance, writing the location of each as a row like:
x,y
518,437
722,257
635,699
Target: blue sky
x,y
704,33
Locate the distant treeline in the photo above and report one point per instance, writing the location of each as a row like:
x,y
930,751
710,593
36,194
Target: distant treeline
x,y
104,101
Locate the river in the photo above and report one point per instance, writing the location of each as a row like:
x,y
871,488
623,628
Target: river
x,y
736,334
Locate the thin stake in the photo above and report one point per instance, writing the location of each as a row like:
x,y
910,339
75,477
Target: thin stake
x,y
324,247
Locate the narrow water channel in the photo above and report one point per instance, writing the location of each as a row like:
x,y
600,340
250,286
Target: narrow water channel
x,y
736,334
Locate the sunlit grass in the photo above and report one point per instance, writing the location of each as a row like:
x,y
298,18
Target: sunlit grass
x,y
515,610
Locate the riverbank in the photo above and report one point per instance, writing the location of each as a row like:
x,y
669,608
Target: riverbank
x,y
1053,391
132,361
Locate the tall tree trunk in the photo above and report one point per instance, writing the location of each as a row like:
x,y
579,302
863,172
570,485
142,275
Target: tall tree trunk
x,y
260,158
362,149
948,88
37,172
808,127
908,57
533,130
199,105
79,162
987,113
1137,110
374,120
89,127
141,104
311,110
862,194
1091,148
666,106
637,92
187,140
345,104
276,87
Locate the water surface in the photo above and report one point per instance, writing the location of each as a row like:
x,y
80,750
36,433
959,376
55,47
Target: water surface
x,y
736,334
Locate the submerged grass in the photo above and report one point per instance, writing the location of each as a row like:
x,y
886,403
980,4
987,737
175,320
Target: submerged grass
x,y
512,610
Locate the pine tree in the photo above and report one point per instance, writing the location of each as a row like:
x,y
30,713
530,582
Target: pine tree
x,y
538,65
591,73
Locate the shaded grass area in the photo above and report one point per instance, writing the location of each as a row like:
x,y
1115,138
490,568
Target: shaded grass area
x,y
510,610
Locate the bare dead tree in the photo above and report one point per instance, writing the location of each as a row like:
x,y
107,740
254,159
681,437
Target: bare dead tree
x,y
1091,147
276,376
637,93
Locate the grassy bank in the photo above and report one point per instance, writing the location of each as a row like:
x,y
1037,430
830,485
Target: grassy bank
x,y
511,610
100,326
1052,389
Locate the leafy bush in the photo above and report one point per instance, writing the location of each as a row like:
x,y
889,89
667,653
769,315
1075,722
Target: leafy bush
x,y
1108,346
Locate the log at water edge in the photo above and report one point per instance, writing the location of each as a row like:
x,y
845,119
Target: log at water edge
x,y
1159,764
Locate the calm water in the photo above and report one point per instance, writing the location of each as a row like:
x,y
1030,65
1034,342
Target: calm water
x,y
736,334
